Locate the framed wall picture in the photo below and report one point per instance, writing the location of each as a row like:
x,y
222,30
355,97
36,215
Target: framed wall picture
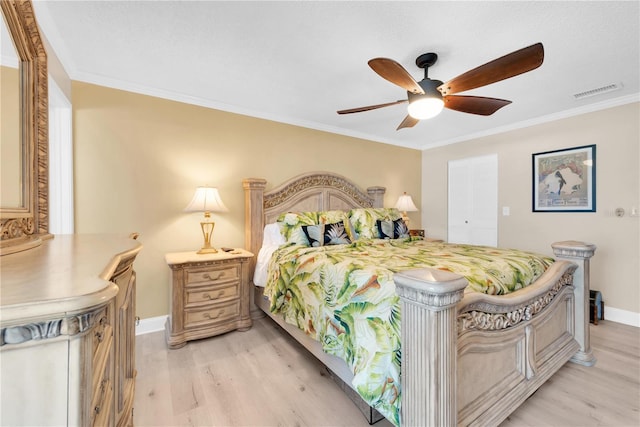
x,y
565,180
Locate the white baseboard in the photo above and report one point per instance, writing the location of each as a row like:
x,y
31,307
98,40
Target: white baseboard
x,y
156,324
622,316
151,324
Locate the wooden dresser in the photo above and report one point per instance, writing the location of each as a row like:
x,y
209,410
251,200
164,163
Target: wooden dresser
x,y
210,295
67,332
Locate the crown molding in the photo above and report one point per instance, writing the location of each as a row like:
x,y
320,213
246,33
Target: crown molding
x,y
194,100
610,103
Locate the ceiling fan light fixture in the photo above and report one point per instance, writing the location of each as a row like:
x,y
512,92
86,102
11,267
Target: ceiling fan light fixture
x,y
425,107
428,104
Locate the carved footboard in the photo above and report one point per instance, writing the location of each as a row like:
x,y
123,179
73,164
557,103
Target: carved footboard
x,y
466,358
472,359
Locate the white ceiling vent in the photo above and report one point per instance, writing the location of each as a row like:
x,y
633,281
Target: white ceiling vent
x,y
598,91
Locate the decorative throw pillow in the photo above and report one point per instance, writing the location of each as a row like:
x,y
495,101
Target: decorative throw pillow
x,y
363,221
396,229
315,234
331,217
291,223
336,234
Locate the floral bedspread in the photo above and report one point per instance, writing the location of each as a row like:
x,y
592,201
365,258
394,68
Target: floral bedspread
x,y
344,297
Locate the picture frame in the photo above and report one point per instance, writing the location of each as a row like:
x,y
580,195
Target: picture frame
x,y
564,180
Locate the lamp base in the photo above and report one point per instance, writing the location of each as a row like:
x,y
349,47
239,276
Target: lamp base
x,y
405,218
207,251
207,232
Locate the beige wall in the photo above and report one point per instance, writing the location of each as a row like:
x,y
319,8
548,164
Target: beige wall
x,y
138,160
615,131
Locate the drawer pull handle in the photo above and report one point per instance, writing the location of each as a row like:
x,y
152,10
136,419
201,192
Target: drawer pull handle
x,y
208,315
208,276
97,410
209,297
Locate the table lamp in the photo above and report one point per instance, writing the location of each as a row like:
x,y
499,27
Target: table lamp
x,y
405,204
207,200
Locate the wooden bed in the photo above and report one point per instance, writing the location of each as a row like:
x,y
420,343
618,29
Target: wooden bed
x,y
450,340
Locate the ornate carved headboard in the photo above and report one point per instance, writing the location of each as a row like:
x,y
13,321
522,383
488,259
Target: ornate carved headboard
x,y
313,191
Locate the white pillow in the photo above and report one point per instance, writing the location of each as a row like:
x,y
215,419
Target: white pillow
x,y
272,235
272,238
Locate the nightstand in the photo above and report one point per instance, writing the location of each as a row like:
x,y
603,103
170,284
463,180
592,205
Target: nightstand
x,y
210,295
433,240
420,233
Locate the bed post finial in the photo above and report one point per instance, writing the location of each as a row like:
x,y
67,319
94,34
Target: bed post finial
x,y
377,195
579,253
429,345
253,226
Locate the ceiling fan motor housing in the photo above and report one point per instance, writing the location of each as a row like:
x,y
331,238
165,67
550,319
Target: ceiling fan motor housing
x,y
430,88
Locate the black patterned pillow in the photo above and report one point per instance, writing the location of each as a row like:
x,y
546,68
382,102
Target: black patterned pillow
x,y
314,234
396,229
336,234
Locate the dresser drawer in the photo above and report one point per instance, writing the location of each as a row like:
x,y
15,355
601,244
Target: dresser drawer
x,y
198,296
216,313
214,274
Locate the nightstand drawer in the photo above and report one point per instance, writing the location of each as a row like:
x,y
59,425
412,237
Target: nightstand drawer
x,y
199,296
212,275
213,314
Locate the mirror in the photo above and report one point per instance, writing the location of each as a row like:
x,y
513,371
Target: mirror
x,y
24,209
11,189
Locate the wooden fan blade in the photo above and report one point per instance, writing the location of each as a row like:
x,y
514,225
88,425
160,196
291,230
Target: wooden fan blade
x,y
474,104
370,107
510,65
408,122
390,70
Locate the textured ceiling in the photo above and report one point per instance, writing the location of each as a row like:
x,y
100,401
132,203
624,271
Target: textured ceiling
x,y
299,62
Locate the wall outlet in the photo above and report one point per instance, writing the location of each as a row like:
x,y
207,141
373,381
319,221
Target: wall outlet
x,y
506,211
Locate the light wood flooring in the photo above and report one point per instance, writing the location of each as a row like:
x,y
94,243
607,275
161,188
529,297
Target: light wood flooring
x,y
263,378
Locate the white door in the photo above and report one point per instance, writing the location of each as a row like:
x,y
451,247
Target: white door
x,y
473,201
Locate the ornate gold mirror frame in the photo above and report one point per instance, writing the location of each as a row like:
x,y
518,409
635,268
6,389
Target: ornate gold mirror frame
x,y
24,227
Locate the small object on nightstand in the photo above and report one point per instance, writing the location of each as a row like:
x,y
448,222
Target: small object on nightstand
x,y
416,233
227,249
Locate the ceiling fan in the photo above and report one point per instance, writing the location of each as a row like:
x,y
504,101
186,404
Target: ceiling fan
x,y
427,97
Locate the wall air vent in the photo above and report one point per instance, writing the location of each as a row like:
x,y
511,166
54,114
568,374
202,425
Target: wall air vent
x,y
598,91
